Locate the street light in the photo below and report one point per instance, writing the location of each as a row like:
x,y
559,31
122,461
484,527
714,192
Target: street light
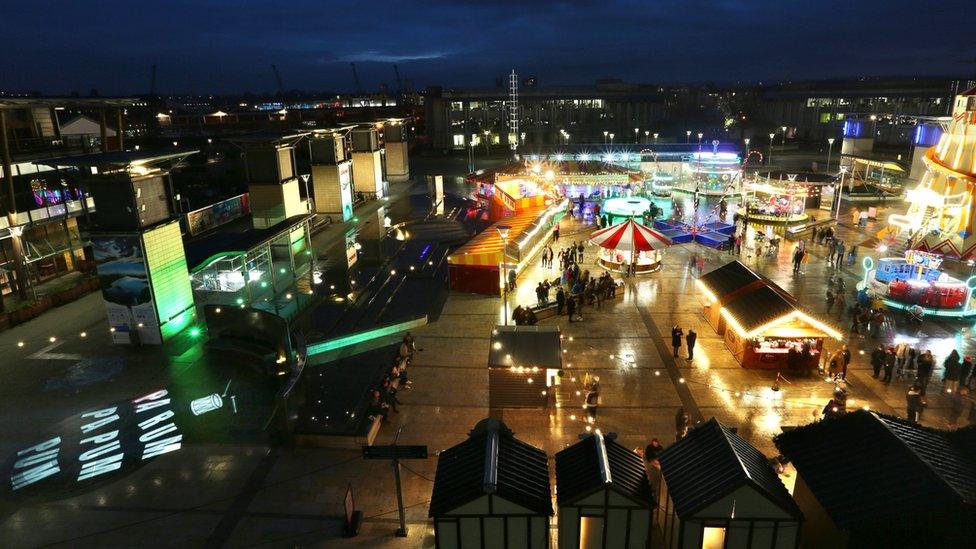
x,y
700,134
636,138
655,138
471,153
503,231
605,133
783,143
486,132
830,147
567,137
747,145
687,136
647,133
770,158
611,138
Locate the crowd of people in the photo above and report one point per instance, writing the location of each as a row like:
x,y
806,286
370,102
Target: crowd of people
x,y
383,399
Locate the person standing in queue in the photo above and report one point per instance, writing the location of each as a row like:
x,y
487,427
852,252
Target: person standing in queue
x,y
676,334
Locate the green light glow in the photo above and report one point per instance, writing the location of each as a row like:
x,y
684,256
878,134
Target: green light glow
x,y
195,331
359,337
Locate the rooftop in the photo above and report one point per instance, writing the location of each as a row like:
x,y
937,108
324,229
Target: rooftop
x,y
597,462
906,468
710,462
491,461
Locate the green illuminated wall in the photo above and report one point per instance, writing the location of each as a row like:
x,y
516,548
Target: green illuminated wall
x,y
169,278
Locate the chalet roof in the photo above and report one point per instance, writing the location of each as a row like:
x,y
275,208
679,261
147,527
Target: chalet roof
x,y
865,467
491,461
711,461
598,461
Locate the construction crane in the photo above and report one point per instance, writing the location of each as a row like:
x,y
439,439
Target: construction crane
x,y
355,76
396,71
281,86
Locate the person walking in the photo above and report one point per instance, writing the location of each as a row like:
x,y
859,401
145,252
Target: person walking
x,y
690,340
798,255
579,251
877,361
555,232
914,402
845,356
839,259
571,307
676,334
965,371
950,377
889,364
926,363
560,301
957,406
901,355
830,300
592,403
681,421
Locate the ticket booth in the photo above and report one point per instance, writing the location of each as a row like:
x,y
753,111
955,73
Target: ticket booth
x,y
719,492
604,496
491,492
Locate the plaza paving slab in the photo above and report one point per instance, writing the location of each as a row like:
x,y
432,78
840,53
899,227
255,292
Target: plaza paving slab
x,y
241,490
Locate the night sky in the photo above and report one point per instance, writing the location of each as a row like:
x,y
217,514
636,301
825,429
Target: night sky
x,y
228,45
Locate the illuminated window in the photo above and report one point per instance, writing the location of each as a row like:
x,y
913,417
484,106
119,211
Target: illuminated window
x,y
824,117
495,139
458,140
457,106
713,537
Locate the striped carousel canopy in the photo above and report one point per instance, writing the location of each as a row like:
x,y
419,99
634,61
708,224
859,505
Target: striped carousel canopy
x,y
630,236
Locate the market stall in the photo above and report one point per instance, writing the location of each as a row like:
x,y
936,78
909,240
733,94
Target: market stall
x,y
767,330
763,325
523,365
630,244
723,285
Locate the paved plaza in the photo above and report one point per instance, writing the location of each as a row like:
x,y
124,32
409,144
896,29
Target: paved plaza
x,y
240,489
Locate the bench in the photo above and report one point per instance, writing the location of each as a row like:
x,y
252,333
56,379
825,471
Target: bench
x,y
548,310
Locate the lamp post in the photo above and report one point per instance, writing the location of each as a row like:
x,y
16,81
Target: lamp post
x,y
783,142
655,138
769,159
830,148
611,138
636,137
487,133
746,140
840,190
605,134
503,233
700,134
687,136
647,133
567,137
471,153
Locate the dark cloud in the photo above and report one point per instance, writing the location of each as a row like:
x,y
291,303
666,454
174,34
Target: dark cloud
x,y
223,45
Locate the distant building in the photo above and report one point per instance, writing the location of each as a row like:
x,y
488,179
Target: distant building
x,y
814,111
455,119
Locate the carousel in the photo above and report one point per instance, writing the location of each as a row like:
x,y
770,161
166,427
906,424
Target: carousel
x,y
630,243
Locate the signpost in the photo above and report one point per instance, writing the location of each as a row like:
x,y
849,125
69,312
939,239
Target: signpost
x,y
395,453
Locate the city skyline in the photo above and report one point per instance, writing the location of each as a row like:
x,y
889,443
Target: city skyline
x,y
222,48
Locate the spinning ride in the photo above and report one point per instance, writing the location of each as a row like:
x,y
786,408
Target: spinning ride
x,y
630,243
916,283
